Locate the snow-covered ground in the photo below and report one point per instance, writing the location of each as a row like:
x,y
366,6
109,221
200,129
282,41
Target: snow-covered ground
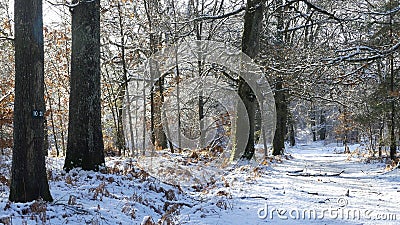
x,y
312,184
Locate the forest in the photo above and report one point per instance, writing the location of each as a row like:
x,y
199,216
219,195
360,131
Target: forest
x,y
199,112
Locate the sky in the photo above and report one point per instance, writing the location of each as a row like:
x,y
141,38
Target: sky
x,y
50,13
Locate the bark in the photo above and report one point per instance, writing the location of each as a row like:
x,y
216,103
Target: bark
x,y
85,146
28,172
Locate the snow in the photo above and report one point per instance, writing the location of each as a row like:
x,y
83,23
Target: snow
x,y
312,184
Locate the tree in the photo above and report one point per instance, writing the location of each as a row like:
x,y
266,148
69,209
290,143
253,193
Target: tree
x,y
29,178
158,137
251,47
85,146
281,103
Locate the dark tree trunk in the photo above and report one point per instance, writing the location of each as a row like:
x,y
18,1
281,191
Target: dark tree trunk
x,y
251,47
85,147
292,135
393,145
346,131
158,137
200,105
381,142
322,124
121,145
281,118
280,94
313,123
28,173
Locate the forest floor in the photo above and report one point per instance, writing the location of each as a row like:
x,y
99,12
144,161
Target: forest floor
x,y
311,184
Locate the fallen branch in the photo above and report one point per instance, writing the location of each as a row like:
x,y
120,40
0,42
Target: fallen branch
x,y
254,197
76,209
310,193
315,174
6,96
168,203
295,171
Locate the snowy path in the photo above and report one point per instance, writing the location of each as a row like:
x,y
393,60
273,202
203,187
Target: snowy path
x,y
316,185
361,194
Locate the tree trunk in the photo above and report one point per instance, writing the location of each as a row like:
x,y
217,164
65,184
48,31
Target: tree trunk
x,y
46,138
251,47
158,137
280,94
120,139
292,135
121,145
85,147
281,118
28,173
322,124
313,123
346,132
381,142
393,144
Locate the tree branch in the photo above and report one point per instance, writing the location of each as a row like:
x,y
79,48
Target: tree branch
x,y
207,17
389,12
315,7
69,5
7,38
355,52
